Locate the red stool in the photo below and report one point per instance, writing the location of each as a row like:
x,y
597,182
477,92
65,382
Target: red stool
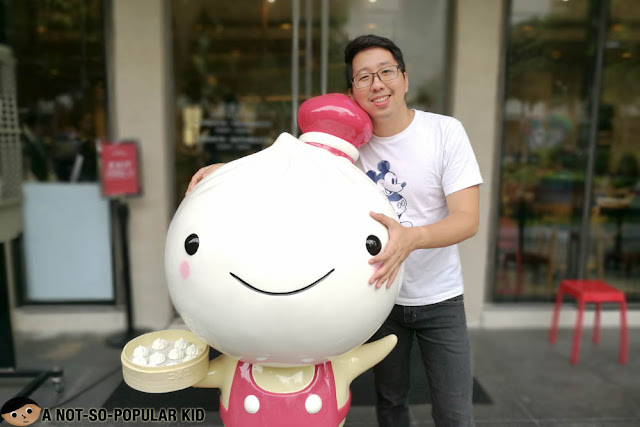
x,y
587,291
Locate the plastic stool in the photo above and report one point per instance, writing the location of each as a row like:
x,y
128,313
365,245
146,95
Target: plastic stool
x,y
591,291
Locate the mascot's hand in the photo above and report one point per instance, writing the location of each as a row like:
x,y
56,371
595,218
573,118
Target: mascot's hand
x,y
219,373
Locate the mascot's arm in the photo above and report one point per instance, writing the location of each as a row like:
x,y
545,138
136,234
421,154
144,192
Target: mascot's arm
x,y
347,367
220,370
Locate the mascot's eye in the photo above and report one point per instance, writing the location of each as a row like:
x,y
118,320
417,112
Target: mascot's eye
x,y
14,415
191,244
29,410
373,245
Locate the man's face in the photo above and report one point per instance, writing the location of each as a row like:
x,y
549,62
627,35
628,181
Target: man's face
x,y
381,100
24,416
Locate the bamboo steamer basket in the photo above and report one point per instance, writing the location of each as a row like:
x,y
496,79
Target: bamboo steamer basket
x,y
163,379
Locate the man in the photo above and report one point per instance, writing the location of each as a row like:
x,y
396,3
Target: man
x,y
426,166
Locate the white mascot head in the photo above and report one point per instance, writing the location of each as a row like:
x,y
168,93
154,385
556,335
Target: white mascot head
x,y
267,258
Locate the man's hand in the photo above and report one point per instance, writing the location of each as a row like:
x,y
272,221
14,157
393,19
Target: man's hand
x,y
398,248
459,225
202,172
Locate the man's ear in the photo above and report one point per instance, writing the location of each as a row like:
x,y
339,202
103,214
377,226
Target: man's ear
x,y
406,82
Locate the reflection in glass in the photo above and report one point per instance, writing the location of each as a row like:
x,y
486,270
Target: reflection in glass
x,y
616,190
59,48
545,150
234,70
543,163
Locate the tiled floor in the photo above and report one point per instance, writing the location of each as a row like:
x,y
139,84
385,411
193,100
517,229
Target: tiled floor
x,y
529,382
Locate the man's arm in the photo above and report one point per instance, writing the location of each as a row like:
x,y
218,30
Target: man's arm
x,y
202,172
459,225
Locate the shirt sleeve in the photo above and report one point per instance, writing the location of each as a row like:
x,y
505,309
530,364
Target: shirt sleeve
x,y
461,168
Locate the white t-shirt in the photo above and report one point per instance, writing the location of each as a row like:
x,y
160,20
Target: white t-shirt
x,y
416,169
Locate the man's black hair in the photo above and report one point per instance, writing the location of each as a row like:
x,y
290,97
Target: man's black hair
x,y
365,42
16,403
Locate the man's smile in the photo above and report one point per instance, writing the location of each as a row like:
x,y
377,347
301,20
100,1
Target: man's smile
x,y
381,99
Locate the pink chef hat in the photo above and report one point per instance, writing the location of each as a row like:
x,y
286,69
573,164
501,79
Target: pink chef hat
x,y
336,123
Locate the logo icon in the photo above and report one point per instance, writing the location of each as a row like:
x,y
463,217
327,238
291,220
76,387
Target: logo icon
x,y
21,411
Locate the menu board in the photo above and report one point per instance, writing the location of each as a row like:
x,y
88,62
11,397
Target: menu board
x,y
119,168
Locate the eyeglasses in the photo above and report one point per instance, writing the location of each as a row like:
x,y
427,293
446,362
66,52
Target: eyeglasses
x,y
384,74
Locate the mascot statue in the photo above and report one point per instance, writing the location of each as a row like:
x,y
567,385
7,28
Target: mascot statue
x,y
267,262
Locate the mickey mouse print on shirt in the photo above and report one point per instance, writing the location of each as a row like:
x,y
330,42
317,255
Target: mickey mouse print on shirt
x,y
387,182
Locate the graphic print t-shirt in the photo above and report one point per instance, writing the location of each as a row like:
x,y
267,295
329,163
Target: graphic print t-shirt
x,y
416,169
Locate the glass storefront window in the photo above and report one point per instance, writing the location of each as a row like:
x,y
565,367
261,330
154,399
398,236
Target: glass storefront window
x,y
616,189
62,252
237,88
59,48
551,160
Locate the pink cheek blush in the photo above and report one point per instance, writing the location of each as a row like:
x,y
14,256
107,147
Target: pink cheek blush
x,y
184,269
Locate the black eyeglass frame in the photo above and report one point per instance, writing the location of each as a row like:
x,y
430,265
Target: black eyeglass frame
x,y
373,75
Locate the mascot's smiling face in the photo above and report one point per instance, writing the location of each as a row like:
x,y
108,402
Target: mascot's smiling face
x,y
267,258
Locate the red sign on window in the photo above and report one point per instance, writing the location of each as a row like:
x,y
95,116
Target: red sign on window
x,y
120,168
